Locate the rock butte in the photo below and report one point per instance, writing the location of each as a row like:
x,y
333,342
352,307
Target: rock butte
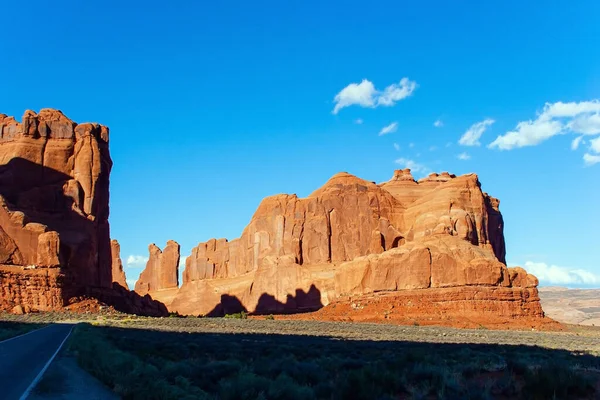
x,y
54,232
436,244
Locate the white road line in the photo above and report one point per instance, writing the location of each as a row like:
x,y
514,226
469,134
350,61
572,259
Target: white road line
x,y
39,376
24,334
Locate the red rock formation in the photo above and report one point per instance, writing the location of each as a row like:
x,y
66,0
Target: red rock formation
x,y
54,192
118,275
160,278
355,238
54,176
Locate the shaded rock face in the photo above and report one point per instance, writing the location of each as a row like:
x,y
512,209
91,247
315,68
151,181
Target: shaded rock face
x,y
118,275
54,207
352,237
54,177
160,278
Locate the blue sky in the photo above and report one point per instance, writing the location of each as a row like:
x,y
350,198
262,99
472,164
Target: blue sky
x,y
214,105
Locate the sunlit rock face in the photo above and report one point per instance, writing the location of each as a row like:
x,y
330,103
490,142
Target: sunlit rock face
x,y
353,237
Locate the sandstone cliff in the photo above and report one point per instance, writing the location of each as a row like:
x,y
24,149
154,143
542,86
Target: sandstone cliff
x,y
352,238
54,208
160,278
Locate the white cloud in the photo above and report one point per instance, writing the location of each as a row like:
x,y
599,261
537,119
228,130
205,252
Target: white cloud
x,y
396,146
590,159
355,93
595,145
396,92
131,283
391,128
555,275
576,142
134,261
586,124
182,262
448,144
358,121
463,156
414,166
528,133
364,94
555,119
472,135
411,145
560,109
433,148
438,123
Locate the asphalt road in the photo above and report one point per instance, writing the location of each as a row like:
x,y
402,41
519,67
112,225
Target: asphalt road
x,y
23,358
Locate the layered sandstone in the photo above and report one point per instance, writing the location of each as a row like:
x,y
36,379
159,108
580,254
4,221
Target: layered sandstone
x,y
354,238
54,177
160,278
54,208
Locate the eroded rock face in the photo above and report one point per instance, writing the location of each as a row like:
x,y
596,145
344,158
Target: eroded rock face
x,y
118,275
54,231
160,278
54,177
351,238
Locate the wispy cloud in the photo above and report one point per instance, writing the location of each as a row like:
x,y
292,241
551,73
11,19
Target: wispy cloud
x,y
555,119
438,123
595,145
432,148
396,146
413,165
590,159
555,275
463,156
135,261
391,128
131,283
576,142
411,145
364,94
358,121
473,134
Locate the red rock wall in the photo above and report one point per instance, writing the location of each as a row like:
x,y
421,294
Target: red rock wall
x,y
54,194
37,289
353,238
160,278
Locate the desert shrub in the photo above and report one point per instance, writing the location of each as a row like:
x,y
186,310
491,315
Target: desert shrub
x,y
285,388
556,381
122,372
240,315
244,386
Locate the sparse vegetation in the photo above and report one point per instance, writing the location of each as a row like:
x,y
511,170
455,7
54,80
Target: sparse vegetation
x,y
8,330
240,315
161,361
